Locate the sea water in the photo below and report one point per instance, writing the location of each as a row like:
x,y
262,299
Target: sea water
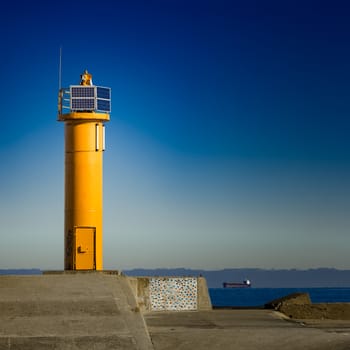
x,y
252,297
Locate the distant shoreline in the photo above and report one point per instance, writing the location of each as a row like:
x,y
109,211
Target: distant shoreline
x,y
261,278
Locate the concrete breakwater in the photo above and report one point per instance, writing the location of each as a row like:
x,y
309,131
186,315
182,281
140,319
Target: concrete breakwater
x,y
70,311
88,310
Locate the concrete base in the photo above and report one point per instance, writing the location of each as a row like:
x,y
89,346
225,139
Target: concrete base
x,y
70,311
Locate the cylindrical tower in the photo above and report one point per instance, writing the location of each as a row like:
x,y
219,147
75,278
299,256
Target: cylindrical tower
x,y
88,109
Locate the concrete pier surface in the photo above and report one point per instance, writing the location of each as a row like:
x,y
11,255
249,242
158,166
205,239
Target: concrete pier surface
x,y
99,311
244,330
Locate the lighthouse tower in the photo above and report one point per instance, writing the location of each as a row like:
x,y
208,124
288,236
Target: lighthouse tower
x,y
84,109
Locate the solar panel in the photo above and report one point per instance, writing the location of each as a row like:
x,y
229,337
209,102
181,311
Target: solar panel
x,y
83,104
83,91
90,98
103,99
103,92
104,105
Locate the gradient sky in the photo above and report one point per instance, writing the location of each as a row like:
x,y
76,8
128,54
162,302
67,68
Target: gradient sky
x,y
228,144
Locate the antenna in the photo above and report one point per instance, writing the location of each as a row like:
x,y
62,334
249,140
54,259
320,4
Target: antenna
x,y
60,71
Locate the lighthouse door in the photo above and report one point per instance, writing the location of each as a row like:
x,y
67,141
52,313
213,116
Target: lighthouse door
x,y
84,254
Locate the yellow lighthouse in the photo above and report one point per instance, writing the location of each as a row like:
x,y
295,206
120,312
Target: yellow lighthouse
x,y
84,109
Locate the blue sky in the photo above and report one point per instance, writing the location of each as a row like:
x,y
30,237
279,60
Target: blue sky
x,y
228,142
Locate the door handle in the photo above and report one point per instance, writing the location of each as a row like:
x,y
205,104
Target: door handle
x,y
81,251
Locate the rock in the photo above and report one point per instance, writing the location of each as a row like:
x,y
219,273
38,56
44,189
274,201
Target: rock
x,y
299,306
290,299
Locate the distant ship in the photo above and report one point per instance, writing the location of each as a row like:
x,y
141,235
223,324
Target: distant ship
x,y
244,284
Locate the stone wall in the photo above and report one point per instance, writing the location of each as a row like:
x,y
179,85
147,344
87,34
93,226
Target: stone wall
x,y
171,293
